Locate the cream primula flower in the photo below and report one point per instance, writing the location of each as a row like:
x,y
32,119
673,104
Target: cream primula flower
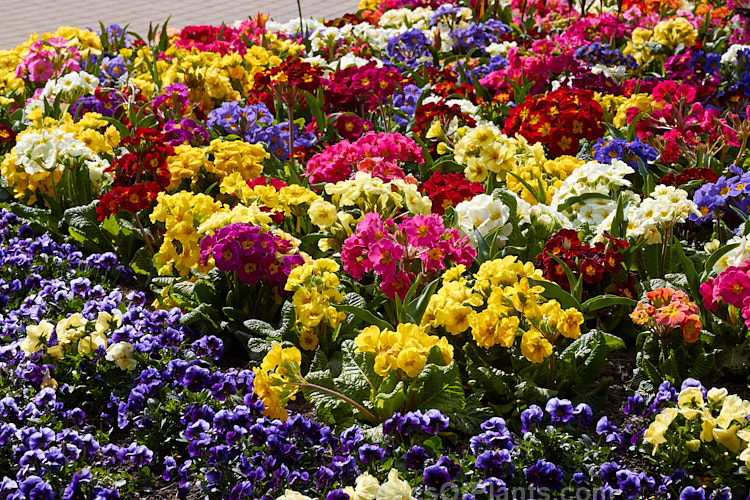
x,y
366,488
394,488
293,495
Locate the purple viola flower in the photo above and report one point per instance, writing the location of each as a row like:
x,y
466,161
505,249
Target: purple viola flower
x,y
561,410
690,493
369,453
34,487
41,438
635,405
243,490
608,473
545,474
629,483
721,494
531,417
416,457
494,463
582,414
337,494
324,477
434,422
435,476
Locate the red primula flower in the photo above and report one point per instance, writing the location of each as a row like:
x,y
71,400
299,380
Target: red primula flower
x,y
592,271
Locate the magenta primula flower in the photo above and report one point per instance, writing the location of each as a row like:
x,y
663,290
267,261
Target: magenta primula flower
x,y
378,153
253,254
226,253
423,230
733,287
384,255
397,253
354,257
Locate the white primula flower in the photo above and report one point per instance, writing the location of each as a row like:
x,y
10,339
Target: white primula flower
x,y
484,214
730,56
49,150
501,48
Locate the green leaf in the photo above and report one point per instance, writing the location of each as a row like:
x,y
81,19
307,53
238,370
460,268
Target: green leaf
x,y
417,307
702,365
365,316
607,300
581,199
143,262
260,329
390,397
316,110
533,191
614,343
485,376
554,291
256,348
357,379
619,226
438,387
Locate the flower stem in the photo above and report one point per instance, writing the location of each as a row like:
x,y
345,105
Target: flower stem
x,y
306,385
145,235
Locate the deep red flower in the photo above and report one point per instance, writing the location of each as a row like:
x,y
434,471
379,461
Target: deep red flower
x,y
591,271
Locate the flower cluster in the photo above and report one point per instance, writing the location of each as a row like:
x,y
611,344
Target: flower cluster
x,y
448,190
665,310
49,59
139,175
367,86
559,119
405,349
715,199
376,153
398,252
499,305
619,149
484,149
315,287
485,214
277,388
589,262
255,255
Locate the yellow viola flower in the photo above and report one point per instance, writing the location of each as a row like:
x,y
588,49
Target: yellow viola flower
x,y
655,432
36,337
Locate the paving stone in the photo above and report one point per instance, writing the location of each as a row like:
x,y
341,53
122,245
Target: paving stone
x,y
19,19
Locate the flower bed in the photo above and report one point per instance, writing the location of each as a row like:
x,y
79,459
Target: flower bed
x,y
426,250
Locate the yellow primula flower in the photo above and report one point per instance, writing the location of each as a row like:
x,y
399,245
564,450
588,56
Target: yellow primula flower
x,y
535,347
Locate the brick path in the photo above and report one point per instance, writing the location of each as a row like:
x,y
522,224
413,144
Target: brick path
x,y
20,18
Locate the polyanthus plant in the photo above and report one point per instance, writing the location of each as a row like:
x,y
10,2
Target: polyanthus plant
x,y
62,163
351,199
508,332
315,293
670,348
379,373
398,253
